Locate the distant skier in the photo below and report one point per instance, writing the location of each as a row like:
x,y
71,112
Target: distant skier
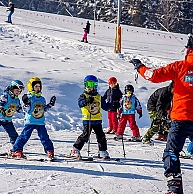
x,y
86,32
11,11
9,104
34,107
88,27
189,45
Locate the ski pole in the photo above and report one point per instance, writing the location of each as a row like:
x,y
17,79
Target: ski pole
x,y
89,133
124,154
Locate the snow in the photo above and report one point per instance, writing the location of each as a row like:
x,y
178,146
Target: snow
x,y
47,46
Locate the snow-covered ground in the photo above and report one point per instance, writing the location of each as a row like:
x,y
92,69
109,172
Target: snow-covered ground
x,y
47,46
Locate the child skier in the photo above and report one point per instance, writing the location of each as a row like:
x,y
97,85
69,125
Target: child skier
x,y
113,96
91,104
34,107
86,32
189,152
11,11
129,104
9,103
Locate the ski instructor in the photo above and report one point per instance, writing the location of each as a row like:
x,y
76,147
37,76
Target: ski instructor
x,y
181,72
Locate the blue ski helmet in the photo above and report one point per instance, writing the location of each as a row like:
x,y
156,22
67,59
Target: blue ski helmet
x,y
16,84
91,81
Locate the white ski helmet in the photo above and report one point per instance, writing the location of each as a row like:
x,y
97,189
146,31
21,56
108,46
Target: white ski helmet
x,y
189,35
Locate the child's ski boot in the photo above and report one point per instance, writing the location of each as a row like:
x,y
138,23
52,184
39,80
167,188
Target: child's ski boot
x,y
51,156
104,155
75,153
17,154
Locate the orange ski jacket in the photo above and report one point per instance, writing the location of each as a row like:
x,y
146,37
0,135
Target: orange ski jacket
x,y
181,72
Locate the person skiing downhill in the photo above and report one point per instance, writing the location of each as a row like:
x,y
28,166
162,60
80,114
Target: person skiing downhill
x,y
11,10
113,96
91,104
129,104
9,104
34,108
181,72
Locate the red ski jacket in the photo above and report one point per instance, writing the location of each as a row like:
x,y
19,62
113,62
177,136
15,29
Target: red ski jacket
x,y
181,72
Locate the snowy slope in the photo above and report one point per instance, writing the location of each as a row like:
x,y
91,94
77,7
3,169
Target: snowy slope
x,y
47,46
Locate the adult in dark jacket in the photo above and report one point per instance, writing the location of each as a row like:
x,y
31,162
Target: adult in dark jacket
x,y
88,27
158,105
113,96
11,11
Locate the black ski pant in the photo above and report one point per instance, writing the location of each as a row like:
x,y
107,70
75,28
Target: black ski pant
x,y
84,137
178,133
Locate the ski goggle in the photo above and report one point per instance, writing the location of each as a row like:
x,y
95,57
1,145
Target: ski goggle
x,y
90,84
19,87
128,91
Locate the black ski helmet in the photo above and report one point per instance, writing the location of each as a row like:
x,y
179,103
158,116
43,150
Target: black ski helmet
x,y
129,88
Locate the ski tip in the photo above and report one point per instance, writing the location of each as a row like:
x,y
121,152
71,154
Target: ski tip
x,y
87,159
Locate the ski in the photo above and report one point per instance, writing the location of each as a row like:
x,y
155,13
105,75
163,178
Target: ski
x,y
78,158
9,22
84,42
22,158
124,139
6,155
130,140
185,157
113,138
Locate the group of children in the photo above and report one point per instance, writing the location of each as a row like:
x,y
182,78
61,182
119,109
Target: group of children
x,y
34,106
121,109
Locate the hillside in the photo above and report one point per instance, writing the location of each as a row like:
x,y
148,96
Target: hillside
x,y
48,46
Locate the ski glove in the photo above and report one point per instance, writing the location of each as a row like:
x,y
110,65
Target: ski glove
x,y
137,63
89,100
2,110
140,114
26,100
53,100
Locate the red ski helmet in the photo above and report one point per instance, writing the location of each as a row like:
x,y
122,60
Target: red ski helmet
x,y
112,80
